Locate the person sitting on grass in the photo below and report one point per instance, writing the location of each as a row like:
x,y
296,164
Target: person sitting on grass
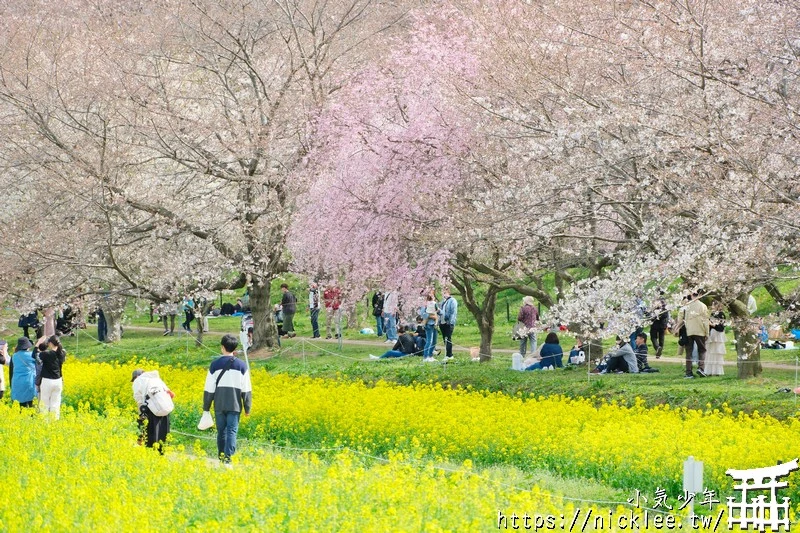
x,y
622,359
551,354
576,354
405,345
419,337
641,354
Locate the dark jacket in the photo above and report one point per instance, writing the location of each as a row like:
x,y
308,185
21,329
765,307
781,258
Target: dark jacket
x,y
51,364
289,303
551,355
377,304
406,344
641,357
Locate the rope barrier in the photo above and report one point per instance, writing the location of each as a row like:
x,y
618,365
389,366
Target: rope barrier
x,y
112,347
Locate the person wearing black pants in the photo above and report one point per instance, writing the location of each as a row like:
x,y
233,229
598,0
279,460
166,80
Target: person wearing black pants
x,y
658,327
447,321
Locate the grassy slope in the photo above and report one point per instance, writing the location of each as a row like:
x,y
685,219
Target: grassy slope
x,y
323,359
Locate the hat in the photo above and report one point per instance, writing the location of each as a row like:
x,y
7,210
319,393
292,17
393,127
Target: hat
x,y
24,344
136,373
527,300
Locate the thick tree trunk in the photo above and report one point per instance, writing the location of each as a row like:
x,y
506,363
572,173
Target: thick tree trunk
x,y
265,334
748,345
486,327
112,309
483,312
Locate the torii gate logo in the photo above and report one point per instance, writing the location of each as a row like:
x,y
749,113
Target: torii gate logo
x,y
758,514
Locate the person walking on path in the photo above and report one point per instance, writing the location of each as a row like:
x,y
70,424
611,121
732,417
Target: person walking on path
x,y
188,311
169,314
390,307
696,319
153,429
332,298
528,315
658,326
447,322
289,307
313,309
228,388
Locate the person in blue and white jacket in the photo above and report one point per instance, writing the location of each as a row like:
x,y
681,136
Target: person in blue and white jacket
x,y
448,312
228,387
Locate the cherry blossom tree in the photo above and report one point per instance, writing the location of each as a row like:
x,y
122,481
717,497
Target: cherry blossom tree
x,y
189,126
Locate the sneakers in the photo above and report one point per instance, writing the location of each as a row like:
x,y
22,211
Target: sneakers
x,y
658,352
165,333
429,360
373,357
389,341
448,359
328,337
701,373
688,376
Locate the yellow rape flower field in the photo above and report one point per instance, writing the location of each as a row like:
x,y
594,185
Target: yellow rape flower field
x,y
86,469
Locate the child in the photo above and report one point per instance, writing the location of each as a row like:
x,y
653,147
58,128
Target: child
x,y
641,353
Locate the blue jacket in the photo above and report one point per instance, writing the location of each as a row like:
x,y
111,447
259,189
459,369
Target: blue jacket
x,y
449,311
551,355
23,377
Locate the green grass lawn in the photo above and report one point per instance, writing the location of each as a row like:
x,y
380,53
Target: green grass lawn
x,y
300,356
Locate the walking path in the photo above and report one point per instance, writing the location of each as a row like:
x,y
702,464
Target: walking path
x,y
504,351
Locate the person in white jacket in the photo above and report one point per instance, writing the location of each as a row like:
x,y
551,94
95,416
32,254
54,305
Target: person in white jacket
x,y
153,429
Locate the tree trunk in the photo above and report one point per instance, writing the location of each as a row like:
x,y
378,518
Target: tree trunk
x,y
264,331
352,317
113,309
483,312
748,345
486,327
198,339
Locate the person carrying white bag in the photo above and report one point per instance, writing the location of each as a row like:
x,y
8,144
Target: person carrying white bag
x,y
228,388
154,400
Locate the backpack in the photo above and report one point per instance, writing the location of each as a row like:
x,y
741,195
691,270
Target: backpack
x,y
158,399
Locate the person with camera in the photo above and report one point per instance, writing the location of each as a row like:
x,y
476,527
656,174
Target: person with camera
x,y
51,382
154,427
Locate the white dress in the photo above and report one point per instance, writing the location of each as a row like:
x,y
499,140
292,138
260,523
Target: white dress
x,y
715,353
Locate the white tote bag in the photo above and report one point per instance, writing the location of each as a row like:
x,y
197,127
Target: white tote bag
x,y
206,421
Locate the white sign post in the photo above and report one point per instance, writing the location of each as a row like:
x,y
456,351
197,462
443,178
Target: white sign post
x,y
692,480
